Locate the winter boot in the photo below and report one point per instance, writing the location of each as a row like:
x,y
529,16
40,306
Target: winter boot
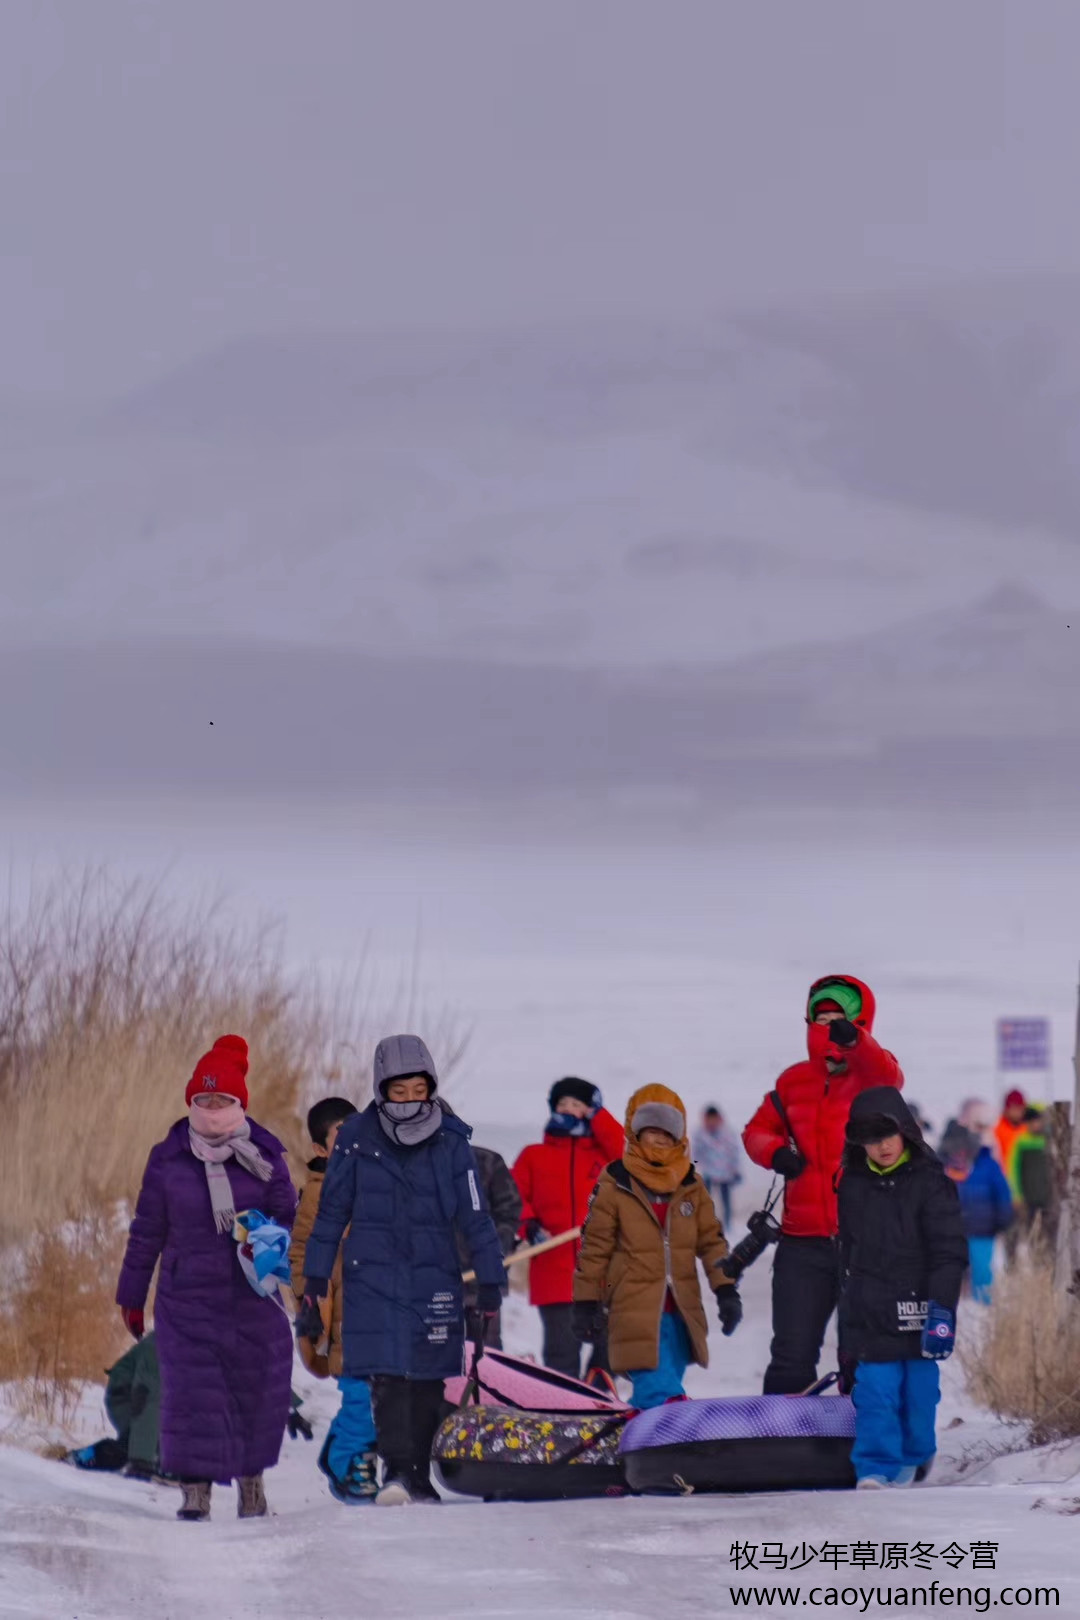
x,y
251,1498
196,1503
421,1488
359,1484
396,1491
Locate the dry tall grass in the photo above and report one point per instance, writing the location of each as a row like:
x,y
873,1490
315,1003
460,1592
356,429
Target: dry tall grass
x,y
1025,1363
108,995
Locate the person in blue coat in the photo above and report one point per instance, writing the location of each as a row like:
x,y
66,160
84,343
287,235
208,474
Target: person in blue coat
x,y
986,1202
403,1181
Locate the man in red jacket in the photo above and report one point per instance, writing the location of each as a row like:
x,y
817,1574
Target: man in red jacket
x,y
555,1178
799,1132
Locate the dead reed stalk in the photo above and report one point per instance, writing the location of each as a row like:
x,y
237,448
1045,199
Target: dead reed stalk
x,y
109,992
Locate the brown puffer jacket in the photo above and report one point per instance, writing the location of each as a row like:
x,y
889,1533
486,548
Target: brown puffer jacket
x,y
629,1261
331,1364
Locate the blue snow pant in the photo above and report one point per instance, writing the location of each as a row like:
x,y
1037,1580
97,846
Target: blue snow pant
x,y
895,1411
664,1382
353,1429
981,1256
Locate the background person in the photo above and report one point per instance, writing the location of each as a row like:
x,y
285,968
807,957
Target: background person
x,y
716,1152
504,1202
986,1204
348,1457
555,1178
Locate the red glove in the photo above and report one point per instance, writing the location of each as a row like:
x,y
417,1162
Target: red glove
x,y
134,1321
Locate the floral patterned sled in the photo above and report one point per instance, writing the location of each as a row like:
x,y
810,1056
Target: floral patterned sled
x,y
502,1455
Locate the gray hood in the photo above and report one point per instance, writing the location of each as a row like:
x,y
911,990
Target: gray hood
x,y
399,1056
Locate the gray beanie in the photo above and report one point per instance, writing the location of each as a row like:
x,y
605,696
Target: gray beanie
x,y
659,1116
398,1057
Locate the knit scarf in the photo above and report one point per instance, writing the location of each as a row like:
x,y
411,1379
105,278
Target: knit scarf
x,y
214,1153
410,1123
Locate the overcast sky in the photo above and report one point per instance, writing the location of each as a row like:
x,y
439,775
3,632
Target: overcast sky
x,y
174,172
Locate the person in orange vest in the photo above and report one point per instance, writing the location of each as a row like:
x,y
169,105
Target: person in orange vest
x,y
1009,1128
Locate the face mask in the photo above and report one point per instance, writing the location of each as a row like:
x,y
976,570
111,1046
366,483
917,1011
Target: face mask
x,y
409,1123
215,1123
567,1125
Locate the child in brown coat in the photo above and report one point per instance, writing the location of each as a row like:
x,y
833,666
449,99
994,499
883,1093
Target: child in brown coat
x,y
650,1220
348,1454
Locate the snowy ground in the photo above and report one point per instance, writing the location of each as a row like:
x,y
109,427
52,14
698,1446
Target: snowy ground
x,y
83,1547
686,963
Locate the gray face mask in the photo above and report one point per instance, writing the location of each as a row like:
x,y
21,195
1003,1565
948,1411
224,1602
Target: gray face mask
x,y
410,1123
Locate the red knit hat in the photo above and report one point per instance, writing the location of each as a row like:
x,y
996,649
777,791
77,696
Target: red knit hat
x,y
1015,1099
223,1069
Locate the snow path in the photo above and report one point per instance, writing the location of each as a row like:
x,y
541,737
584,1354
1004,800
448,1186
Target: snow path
x,y
91,1547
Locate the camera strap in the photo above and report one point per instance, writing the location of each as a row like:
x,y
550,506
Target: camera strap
x,y
785,1122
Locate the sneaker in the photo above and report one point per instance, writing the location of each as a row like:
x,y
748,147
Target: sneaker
x,y
872,1482
251,1498
196,1503
904,1478
395,1492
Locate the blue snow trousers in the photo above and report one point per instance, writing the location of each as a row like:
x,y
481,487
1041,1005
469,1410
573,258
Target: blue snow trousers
x,y
353,1429
664,1382
895,1411
981,1257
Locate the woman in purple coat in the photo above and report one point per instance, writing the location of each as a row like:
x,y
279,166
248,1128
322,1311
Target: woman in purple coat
x,y
225,1351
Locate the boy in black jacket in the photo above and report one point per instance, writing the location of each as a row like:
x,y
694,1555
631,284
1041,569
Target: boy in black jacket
x,y
903,1253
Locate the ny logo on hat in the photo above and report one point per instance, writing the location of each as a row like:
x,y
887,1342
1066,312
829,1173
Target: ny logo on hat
x,y
209,1082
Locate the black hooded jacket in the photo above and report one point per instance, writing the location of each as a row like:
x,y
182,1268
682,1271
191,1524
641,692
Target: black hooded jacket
x,y
902,1240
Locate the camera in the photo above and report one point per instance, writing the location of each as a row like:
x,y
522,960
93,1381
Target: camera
x,y
764,1229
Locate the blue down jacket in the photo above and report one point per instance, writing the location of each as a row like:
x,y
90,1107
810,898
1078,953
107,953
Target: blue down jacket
x,y
403,1207
985,1197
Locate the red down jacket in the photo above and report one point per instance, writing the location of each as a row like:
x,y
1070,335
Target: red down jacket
x,y
555,1178
817,1105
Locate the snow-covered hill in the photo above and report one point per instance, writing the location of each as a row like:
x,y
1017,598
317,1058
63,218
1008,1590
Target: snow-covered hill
x,y
627,496
971,705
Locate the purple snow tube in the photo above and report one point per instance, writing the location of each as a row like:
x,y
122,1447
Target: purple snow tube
x,y
742,1443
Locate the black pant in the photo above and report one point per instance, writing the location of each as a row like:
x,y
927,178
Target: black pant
x,y
805,1291
562,1351
407,1413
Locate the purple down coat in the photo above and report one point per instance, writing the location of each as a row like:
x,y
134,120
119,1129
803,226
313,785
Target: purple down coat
x,y
225,1353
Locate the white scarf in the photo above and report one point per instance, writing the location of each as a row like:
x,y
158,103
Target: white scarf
x,y
214,1149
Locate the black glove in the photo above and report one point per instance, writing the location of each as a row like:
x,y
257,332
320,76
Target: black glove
x,y
787,1162
298,1426
846,1368
535,1232
489,1298
729,1305
309,1323
843,1033
587,1320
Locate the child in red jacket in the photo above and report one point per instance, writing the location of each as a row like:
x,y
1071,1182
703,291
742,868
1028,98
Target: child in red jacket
x,y
799,1132
555,1178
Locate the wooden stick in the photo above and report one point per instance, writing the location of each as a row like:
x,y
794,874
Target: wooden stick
x,y
520,1255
